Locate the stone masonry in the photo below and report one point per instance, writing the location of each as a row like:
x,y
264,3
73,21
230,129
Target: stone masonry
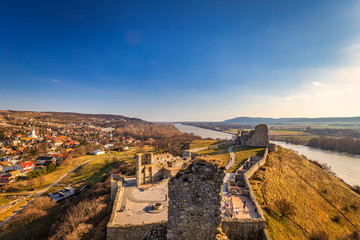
x,y
195,201
256,138
152,167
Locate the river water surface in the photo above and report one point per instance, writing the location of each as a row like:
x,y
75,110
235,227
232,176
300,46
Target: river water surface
x,y
346,166
202,132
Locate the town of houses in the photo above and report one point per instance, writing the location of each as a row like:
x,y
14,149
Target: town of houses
x,y
27,145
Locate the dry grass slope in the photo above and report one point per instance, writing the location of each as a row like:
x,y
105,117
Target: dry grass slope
x,y
322,204
243,153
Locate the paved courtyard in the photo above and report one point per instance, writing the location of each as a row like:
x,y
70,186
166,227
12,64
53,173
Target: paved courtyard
x,y
235,202
136,202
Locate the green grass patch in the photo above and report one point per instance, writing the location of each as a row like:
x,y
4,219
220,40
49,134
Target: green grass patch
x,y
243,153
12,209
203,143
220,154
4,200
43,181
96,170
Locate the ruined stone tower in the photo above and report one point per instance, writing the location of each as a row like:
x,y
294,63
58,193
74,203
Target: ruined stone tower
x,y
256,138
195,201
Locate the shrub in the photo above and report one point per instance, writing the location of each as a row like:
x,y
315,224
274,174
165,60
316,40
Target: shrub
x,y
354,207
25,223
356,189
318,235
336,219
327,168
73,225
285,207
354,236
43,203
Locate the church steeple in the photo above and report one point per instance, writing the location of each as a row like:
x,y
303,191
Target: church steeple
x,y
33,133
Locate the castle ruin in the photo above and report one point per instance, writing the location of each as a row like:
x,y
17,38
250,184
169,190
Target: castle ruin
x,y
259,137
195,199
152,167
256,138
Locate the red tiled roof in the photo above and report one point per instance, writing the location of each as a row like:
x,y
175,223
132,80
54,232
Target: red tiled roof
x,y
27,164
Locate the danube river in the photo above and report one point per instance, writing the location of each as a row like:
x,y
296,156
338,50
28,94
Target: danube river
x,y
202,132
346,166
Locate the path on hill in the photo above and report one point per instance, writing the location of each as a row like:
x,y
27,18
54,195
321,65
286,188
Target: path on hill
x,y
236,201
40,192
232,157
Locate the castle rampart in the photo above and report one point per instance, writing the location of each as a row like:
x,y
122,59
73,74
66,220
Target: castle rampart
x,y
136,232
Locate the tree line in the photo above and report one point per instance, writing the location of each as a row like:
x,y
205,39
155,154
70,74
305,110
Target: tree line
x,y
334,132
344,144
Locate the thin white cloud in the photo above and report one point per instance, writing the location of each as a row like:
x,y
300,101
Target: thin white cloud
x,y
316,84
56,81
338,97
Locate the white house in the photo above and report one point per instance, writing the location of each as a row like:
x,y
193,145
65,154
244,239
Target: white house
x,y
98,152
26,166
45,159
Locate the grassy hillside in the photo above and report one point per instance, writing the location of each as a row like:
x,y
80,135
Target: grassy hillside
x,y
302,201
203,143
220,154
242,153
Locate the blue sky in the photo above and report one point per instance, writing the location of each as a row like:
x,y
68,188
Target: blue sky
x,y
181,60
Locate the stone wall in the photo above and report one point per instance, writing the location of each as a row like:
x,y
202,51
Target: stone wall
x,y
117,201
248,174
248,229
150,167
195,201
272,147
133,232
116,184
244,229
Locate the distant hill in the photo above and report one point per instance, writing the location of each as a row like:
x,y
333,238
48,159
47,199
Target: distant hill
x,y
102,120
290,121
